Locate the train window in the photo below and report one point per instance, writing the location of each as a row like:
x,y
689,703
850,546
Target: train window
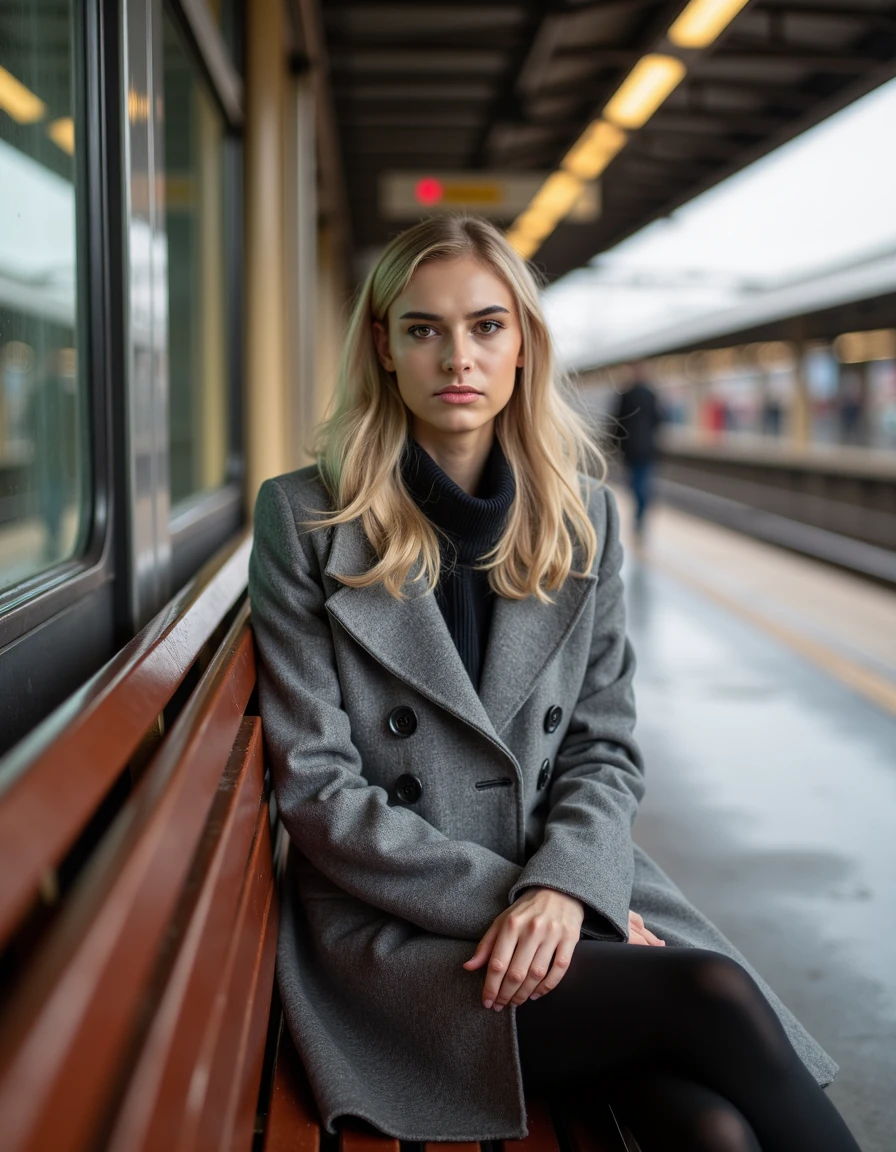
x,y
44,473
197,331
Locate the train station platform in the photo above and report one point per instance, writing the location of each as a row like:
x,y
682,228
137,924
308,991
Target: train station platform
x,y
766,690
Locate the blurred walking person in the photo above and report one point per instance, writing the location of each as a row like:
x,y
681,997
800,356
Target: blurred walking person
x,y
637,413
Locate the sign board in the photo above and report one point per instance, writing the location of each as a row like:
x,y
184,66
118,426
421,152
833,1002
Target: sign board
x,y
497,195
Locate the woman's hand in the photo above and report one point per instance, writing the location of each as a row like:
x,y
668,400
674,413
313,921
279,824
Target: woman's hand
x,y
528,947
638,934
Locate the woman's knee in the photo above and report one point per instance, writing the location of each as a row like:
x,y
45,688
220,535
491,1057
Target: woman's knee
x,y
726,991
668,1113
723,1129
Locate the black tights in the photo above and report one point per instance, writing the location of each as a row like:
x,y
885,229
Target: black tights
x,y
691,1053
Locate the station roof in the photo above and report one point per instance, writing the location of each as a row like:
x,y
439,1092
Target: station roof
x,y
509,85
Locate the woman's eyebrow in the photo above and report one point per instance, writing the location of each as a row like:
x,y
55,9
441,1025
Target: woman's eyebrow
x,y
487,311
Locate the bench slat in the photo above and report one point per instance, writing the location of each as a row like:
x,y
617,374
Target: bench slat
x,y
542,1137
77,753
157,1095
451,1147
293,1124
353,1139
235,1048
82,991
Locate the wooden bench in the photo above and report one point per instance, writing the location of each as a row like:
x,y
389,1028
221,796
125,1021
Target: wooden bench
x,y
138,913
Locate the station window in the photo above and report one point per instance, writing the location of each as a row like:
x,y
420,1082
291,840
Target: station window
x,y
197,334
44,472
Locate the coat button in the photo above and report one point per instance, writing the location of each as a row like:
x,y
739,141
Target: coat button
x,y
552,718
544,774
403,721
408,789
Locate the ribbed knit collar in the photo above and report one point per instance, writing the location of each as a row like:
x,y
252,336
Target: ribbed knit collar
x,y
473,523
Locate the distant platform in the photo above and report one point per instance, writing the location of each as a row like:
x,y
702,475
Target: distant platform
x,y
766,690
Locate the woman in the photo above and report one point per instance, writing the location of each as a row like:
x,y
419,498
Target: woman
x,y
445,689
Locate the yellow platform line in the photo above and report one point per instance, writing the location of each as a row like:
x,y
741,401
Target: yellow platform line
x,y
862,680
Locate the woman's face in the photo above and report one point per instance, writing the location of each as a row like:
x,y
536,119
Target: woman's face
x,y
454,343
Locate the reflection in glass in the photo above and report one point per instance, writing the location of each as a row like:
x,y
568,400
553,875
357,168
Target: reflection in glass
x,y
194,157
43,474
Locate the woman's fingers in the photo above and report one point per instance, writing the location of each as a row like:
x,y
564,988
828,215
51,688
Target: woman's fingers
x,y
562,960
518,941
538,970
499,963
483,949
639,933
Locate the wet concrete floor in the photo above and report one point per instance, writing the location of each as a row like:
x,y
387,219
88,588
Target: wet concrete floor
x,y
772,802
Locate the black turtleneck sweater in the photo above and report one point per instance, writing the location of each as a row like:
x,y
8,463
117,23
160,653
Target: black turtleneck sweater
x,y
473,525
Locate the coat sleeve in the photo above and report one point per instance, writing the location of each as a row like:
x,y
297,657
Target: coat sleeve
x,y
387,856
598,777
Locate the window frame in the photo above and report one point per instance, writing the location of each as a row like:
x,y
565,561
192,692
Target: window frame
x,y
85,608
201,523
38,598
72,606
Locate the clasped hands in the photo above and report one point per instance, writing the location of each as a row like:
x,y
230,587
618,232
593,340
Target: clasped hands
x,y
529,946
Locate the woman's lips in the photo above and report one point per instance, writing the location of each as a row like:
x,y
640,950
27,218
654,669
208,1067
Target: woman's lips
x,y
466,397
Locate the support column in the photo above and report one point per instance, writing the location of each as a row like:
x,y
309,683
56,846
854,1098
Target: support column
x,y
800,419
266,411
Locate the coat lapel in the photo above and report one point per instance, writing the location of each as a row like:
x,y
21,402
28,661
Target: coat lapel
x,y
525,635
408,637
411,639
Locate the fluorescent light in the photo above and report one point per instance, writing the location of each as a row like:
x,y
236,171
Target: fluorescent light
x,y
702,21
556,196
19,101
62,133
862,347
534,225
644,89
594,149
524,245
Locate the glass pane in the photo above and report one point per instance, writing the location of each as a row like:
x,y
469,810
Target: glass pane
x,y
43,454
197,338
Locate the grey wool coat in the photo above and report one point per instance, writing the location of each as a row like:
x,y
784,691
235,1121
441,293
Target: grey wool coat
x,y
415,814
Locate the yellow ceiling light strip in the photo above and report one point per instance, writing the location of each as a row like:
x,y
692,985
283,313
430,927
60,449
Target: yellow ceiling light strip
x,y
644,89
62,133
557,195
19,101
594,149
702,21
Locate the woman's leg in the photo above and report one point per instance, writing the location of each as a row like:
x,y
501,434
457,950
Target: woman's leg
x,y
694,1014
668,1114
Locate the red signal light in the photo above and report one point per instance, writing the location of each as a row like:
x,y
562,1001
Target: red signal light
x,y
428,190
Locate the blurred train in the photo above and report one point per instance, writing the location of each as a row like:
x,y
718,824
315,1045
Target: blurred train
x,y
171,282
835,391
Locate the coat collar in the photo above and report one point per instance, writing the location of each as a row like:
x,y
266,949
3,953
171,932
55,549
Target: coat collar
x,y
411,639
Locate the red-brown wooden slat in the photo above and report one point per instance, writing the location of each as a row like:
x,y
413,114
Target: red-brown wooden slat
x,y
250,1061
293,1124
157,1093
53,781
85,985
227,1037
452,1147
355,1139
542,1137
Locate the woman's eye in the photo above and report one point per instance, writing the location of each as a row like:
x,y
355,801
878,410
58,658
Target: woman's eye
x,y
421,330
489,326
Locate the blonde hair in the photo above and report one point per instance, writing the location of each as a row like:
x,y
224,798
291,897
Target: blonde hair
x,y
545,440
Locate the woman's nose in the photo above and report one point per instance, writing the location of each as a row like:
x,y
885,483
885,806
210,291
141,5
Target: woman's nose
x,y
457,357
